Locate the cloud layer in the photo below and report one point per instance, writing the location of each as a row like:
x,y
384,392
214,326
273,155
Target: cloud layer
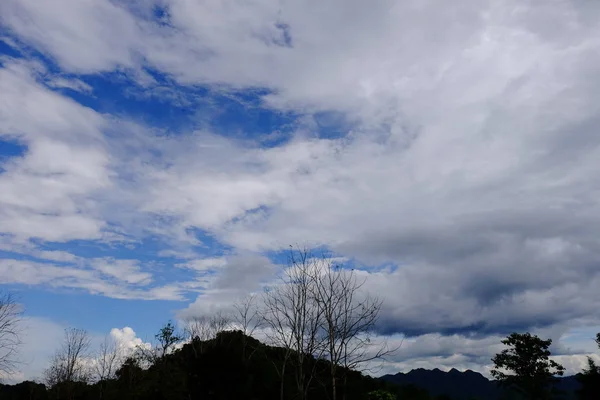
x,y
456,146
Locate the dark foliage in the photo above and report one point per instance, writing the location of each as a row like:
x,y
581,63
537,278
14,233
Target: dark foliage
x,y
590,379
24,391
231,366
235,366
531,371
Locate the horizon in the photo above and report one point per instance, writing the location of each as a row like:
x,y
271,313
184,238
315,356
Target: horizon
x,y
158,158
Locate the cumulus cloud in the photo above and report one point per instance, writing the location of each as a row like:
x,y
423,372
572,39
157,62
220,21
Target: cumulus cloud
x,y
127,339
41,337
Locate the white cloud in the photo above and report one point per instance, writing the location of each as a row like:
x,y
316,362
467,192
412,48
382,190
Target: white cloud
x,y
126,285
65,161
40,338
470,161
205,264
233,278
83,35
124,270
74,84
128,340
462,353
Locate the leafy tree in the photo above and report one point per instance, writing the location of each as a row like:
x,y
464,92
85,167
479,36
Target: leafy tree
x,y
167,339
129,374
528,367
590,379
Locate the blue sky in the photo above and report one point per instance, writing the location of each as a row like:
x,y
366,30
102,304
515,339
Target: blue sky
x,y
158,157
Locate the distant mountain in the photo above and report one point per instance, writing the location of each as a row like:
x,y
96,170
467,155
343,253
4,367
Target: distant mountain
x,y
465,385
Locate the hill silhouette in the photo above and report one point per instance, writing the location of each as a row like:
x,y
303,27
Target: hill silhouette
x,y
231,366
467,385
236,366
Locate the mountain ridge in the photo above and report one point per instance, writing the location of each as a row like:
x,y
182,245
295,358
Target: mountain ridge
x,y
465,385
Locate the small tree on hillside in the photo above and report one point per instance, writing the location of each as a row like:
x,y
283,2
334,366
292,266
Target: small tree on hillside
x,y
525,366
166,340
590,379
247,318
199,330
205,327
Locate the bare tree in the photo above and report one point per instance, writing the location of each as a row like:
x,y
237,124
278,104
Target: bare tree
x,y
200,329
69,362
109,358
293,318
348,318
206,327
10,319
247,315
107,362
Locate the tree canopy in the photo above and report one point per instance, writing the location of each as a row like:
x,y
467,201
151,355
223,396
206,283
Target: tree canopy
x,y
526,367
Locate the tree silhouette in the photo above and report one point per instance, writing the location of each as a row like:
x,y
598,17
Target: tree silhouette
x,y
69,368
526,367
10,316
590,379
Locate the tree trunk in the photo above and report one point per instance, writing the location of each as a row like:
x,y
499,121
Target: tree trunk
x,y
282,382
333,383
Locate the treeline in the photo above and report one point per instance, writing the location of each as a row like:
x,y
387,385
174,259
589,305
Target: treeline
x,y
233,365
230,366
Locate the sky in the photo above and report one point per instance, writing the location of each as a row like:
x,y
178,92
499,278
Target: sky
x,y
158,156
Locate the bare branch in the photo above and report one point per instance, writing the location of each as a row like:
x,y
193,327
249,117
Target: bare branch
x,y
348,320
293,317
247,315
109,358
68,363
10,332
205,328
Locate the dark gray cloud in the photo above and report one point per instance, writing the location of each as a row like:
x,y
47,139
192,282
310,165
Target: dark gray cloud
x,y
244,272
